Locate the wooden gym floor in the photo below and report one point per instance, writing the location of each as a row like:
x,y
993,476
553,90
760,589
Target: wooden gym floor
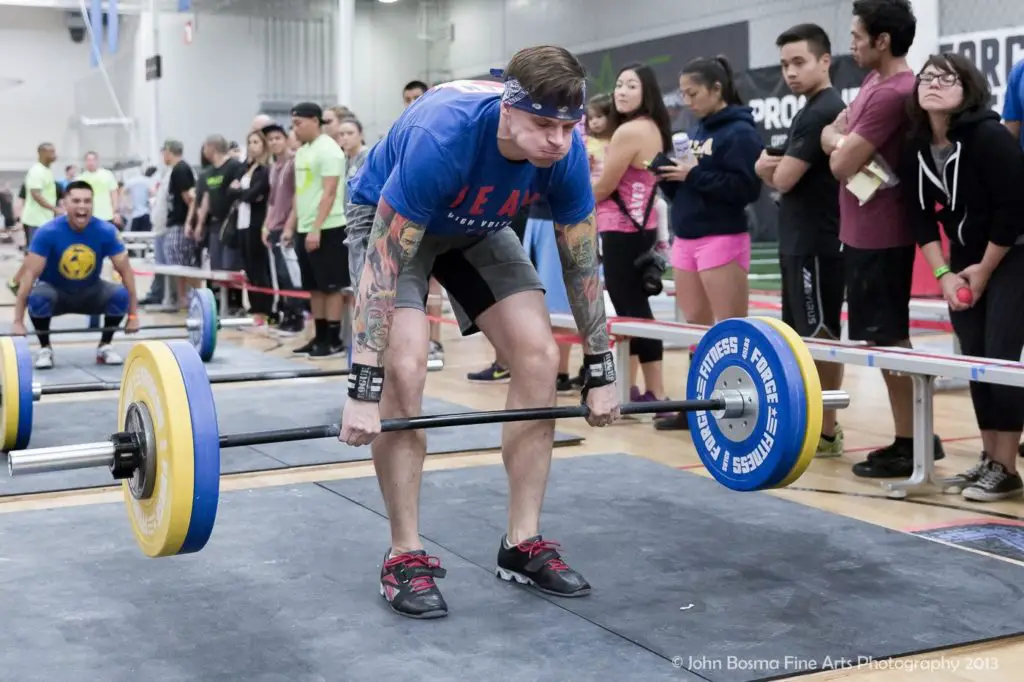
x,y
828,485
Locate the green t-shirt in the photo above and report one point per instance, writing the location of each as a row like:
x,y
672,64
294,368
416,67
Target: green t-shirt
x,y
103,183
314,161
39,177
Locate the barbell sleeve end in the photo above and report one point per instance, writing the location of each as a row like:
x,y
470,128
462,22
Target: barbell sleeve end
x,y
835,400
37,391
60,458
233,322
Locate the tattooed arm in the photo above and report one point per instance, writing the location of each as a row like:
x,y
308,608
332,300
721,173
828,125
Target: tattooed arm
x,y
577,248
393,242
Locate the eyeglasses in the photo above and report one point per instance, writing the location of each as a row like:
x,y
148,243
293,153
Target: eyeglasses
x,y
946,80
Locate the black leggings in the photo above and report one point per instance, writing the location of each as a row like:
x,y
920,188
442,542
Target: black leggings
x,y
625,286
256,263
993,328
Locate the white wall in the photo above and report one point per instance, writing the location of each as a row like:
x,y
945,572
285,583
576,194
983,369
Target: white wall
x,y
388,54
46,82
488,32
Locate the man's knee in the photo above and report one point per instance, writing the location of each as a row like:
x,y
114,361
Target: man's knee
x,y
535,362
405,376
42,301
117,302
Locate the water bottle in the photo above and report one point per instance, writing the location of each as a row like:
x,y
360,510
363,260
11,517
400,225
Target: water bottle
x,y
681,145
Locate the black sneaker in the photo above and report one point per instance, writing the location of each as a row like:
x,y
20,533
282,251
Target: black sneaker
x,y
564,384
938,451
995,484
537,562
495,374
322,351
407,584
305,348
893,461
974,474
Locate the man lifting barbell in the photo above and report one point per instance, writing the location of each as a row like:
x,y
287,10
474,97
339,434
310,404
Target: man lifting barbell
x,y
62,275
447,179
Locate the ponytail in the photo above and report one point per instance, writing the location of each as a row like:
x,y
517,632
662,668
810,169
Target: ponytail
x,y
718,70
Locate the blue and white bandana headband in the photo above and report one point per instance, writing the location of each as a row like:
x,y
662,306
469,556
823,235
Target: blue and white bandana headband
x,y
516,96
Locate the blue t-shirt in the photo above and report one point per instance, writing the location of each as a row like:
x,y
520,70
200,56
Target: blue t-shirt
x,y
74,259
439,166
1013,100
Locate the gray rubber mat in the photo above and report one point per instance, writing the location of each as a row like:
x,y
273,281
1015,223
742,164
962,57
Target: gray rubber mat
x,y
75,364
739,586
287,590
239,409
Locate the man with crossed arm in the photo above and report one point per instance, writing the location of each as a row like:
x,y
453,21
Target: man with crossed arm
x,y
447,180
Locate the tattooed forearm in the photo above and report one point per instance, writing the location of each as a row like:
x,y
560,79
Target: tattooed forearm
x,y
392,243
577,248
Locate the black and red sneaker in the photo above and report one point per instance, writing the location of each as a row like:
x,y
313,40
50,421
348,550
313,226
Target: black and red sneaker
x,y
537,562
407,583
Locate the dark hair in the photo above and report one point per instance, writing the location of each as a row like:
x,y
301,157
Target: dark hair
x,y
893,17
652,104
715,70
415,85
976,92
815,36
78,184
549,74
150,171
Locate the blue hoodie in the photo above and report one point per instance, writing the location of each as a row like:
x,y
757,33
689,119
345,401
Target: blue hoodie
x,y
715,194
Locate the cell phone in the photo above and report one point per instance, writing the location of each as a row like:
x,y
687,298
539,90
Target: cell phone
x,y
659,161
775,151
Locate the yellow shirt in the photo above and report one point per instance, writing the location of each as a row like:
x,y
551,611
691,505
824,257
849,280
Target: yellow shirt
x,y
39,178
314,161
103,183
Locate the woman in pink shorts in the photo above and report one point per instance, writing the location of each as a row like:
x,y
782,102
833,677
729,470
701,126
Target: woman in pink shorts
x,y
708,191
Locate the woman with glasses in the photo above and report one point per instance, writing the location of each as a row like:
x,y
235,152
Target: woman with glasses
x,y
965,175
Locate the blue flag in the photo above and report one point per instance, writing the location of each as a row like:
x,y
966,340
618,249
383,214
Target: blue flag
x,y
96,31
112,26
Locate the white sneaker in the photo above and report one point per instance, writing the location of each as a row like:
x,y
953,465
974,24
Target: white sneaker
x,y
435,357
105,355
45,359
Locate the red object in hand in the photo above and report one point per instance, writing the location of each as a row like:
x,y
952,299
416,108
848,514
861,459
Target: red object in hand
x,y
964,295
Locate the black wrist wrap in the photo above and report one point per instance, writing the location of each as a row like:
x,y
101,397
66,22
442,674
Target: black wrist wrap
x,y
366,383
598,370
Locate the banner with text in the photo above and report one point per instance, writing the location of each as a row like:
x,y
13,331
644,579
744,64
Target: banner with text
x,y
994,52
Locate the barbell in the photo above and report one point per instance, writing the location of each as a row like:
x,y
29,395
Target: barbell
x,y
754,403
202,324
18,390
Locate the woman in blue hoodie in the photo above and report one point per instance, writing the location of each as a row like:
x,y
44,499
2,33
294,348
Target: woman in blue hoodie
x,y
708,191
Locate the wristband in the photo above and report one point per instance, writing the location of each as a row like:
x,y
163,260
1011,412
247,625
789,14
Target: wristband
x,y
598,370
941,270
365,383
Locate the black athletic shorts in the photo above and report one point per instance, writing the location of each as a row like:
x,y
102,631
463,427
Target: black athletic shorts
x,y
324,269
812,294
878,286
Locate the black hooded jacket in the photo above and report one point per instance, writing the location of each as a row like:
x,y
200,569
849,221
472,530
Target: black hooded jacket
x,y
978,195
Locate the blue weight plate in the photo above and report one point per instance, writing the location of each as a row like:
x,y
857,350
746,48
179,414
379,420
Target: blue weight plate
x,y
770,442
206,446
202,306
23,355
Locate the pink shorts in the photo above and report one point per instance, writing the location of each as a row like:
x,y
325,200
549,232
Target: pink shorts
x,y
708,253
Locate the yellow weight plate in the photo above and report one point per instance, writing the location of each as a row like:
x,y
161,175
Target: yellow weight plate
x,y
9,394
152,378
815,407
